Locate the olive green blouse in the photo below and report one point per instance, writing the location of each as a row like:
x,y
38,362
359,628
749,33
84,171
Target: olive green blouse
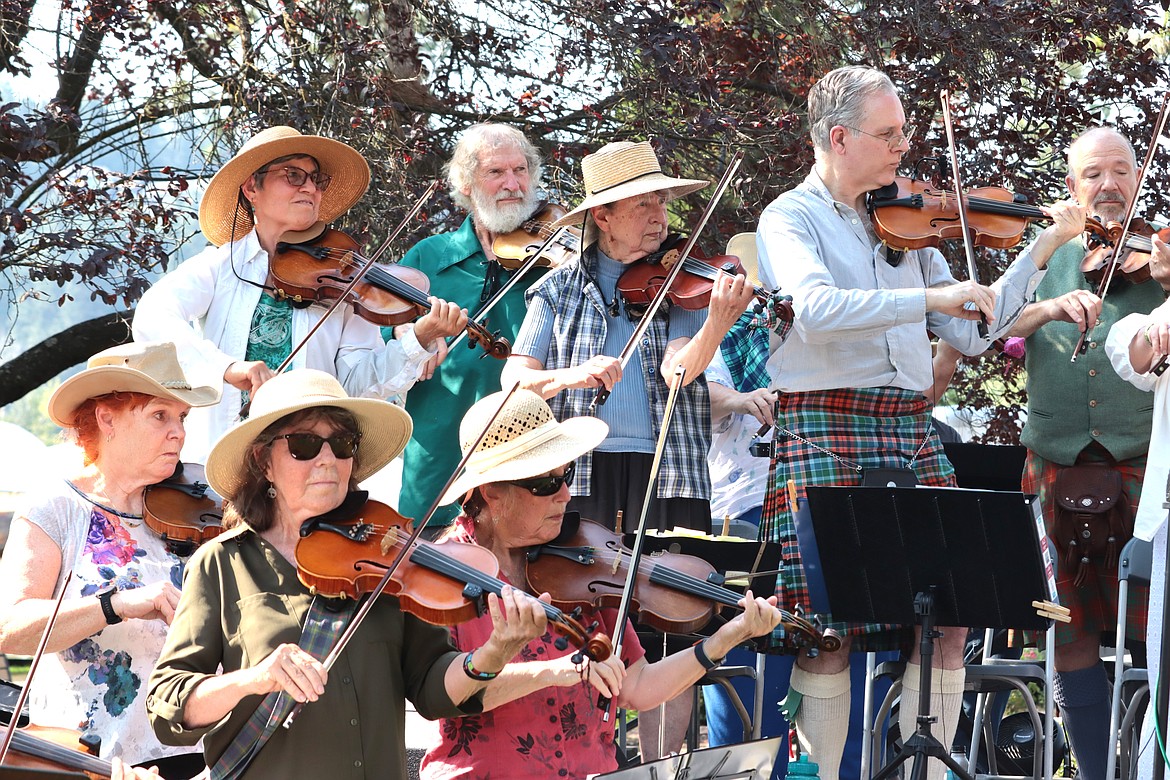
x,y
241,599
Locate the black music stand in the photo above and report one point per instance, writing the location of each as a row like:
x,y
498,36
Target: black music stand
x,y
930,556
745,761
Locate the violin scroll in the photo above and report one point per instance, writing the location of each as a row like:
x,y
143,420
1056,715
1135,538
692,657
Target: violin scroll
x,y
802,634
491,343
183,509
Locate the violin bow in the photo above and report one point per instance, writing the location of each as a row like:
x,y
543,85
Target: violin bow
x,y
359,616
527,266
660,297
623,612
1103,288
32,669
960,203
357,278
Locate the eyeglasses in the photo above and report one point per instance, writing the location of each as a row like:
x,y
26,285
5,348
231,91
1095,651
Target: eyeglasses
x,y
306,446
894,141
298,176
546,485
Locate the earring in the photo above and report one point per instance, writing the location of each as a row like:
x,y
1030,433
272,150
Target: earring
x,y
271,491
109,438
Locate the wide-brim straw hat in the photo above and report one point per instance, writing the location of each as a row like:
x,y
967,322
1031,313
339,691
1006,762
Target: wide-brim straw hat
x,y
221,205
385,428
623,169
524,441
138,367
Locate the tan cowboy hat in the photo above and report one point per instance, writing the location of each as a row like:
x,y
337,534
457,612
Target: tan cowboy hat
x,y
384,427
138,367
221,205
743,246
623,169
524,441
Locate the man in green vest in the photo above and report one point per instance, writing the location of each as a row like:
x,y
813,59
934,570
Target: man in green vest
x,y
1083,413
493,173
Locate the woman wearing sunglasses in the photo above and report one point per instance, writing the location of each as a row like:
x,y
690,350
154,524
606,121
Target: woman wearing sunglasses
x,y
544,720
247,627
221,306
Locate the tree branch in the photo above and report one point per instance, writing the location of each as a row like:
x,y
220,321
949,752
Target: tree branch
x,y
37,365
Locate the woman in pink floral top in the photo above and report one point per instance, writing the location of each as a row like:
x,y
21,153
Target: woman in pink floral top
x,y
543,719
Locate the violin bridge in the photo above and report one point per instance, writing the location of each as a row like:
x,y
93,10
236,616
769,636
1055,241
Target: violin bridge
x,y
390,539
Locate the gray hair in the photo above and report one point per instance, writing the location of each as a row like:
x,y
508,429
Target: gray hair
x,y
839,98
464,163
1091,135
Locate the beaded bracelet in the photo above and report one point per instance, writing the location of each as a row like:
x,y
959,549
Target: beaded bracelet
x,y
470,670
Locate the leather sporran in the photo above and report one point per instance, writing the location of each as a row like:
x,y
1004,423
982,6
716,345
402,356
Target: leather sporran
x,y
1093,520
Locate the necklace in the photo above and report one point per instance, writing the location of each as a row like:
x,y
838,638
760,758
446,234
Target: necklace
x,y
104,508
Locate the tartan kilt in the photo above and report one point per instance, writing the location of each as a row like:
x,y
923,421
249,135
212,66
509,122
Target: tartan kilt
x,y
1094,604
870,427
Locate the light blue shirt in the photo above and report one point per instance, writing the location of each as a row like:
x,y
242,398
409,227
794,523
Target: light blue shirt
x,y
861,322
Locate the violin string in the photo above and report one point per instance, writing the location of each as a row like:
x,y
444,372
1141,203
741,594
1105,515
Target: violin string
x,y
685,583
462,572
36,746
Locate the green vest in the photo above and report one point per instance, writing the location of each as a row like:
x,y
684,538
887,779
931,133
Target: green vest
x,y
1071,405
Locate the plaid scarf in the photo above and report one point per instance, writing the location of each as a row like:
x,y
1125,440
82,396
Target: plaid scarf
x,y
322,629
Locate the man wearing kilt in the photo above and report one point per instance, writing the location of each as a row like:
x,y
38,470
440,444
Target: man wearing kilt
x,y
1081,414
853,370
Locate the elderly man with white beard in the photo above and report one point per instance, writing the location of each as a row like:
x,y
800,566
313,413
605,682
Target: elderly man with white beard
x,y
494,173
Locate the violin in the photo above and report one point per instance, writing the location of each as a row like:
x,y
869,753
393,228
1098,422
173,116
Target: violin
x,y
691,290
57,750
1133,262
512,249
183,509
322,268
914,214
677,594
346,552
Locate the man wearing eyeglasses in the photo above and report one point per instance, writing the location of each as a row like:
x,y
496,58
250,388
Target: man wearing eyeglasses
x,y
854,368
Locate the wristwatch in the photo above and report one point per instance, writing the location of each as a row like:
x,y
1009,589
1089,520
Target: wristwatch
x,y
104,598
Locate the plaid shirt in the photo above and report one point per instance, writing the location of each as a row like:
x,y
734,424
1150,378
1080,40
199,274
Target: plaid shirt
x,y
578,315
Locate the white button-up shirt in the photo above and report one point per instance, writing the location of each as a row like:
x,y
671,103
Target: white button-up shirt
x,y
861,322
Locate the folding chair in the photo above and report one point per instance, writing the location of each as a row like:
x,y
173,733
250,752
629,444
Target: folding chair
x,y
1134,566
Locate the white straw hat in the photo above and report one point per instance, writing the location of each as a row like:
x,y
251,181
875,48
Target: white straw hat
x,y
138,367
384,427
623,169
524,441
221,206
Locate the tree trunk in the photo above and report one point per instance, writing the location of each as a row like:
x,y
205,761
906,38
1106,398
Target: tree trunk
x,y
63,350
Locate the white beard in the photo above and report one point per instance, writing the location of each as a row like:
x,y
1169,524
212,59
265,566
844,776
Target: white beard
x,y
497,218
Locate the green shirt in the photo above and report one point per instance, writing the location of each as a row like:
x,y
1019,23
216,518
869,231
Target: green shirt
x,y
241,600
1071,405
456,266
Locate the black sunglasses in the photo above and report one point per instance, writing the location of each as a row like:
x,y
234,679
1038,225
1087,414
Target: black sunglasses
x,y
547,485
298,176
306,446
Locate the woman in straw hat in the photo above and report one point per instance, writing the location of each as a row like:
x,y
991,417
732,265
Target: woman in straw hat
x,y
126,410
220,306
576,324
245,616
544,721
